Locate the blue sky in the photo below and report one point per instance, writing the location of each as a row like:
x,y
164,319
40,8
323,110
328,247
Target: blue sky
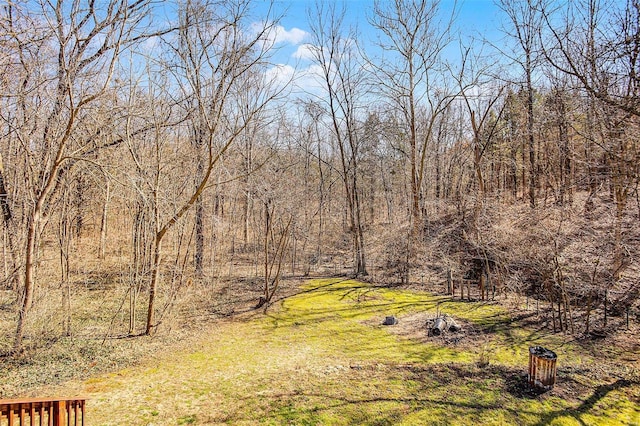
x,y
476,18
473,13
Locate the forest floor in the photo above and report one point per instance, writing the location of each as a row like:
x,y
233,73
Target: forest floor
x,y
322,356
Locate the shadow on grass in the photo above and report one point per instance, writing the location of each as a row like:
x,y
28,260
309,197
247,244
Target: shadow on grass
x,y
451,392
366,295
352,301
348,300
313,407
453,389
587,405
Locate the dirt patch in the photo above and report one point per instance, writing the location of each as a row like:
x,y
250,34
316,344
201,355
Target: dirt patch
x,y
416,327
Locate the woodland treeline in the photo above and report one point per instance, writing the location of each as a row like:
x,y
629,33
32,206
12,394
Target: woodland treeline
x,y
162,156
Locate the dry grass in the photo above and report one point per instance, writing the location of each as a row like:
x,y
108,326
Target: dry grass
x,y
323,357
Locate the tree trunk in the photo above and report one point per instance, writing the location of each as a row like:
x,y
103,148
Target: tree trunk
x,y
103,221
477,167
361,266
7,217
155,278
141,261
566,191
29,282
80,201
4,196
267,232
530,136
198,255
64,241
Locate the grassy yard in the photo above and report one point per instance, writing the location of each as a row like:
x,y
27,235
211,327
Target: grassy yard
x,y
323,357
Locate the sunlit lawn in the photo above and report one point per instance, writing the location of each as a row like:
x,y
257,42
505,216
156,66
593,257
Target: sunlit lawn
x,y
322,357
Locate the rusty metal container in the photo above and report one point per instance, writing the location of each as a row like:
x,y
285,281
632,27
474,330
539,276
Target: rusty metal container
x,y
542,368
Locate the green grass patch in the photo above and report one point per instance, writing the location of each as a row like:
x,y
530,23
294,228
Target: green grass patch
x,y
322,357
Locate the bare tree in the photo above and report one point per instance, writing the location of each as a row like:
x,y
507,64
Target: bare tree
x,y
603,56
338,58
480,98
411,78
279,216
525,22
12,271
67,58
597,43
216,51
412,75
558,147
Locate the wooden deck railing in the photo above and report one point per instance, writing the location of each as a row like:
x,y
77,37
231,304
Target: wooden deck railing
x,y
42,412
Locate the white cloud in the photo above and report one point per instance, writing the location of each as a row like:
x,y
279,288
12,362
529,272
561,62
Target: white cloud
x,y
310,52
278,34
305,82
305,51
280,74
293,36
310,80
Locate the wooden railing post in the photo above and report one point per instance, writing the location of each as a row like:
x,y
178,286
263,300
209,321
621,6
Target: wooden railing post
x,y
21,414
57,412
11,416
